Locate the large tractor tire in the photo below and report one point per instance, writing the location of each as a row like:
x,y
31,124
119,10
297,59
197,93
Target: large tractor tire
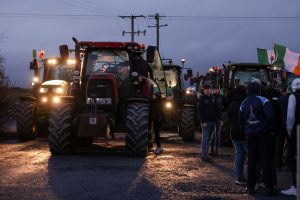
x,y
26,118
61,139
137,125
187,129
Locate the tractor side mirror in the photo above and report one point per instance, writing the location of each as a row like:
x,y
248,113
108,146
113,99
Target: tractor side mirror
x,y
34,65
64,52
150,54
189,73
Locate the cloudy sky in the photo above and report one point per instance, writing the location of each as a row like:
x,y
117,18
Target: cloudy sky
x,y
204,32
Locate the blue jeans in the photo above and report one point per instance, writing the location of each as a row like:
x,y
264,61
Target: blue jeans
x,y
239,158
206,136
215,141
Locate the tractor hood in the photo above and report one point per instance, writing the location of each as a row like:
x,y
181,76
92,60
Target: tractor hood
x,y
54,83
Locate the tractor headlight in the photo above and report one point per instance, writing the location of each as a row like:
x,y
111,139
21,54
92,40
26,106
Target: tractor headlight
x,y
35,79
43,90
56,100
44,100
187,92
58,90
168,105
52,61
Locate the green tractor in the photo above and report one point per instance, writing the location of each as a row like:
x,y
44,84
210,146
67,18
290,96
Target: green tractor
x,y
32,112
179,105
241,74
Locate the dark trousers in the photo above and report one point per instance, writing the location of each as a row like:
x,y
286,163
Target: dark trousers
x,y
156,129
260,147
279,143
291,157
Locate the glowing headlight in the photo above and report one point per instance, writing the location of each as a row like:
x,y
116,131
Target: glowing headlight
x,y
58,90
44,99
56,99
188,92
52,61
43,90
168,105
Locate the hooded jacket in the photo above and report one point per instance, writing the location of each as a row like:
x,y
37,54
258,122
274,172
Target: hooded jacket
x,y
256,113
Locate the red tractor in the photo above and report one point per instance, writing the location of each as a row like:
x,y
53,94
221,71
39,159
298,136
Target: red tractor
x,y
111,93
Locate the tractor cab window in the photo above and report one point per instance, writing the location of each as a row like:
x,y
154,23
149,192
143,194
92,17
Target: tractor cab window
x,y
108,61
245,77
172,80
60,72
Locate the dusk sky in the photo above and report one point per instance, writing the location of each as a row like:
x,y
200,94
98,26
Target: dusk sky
x,y
204,32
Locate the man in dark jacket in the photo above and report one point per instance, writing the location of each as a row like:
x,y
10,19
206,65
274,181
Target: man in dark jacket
x,y
236,134
208,115
220,100
257,119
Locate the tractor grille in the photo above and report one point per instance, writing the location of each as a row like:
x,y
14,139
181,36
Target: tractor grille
x,y
100,88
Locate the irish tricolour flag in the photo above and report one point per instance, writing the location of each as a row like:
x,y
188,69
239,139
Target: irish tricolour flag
x,y
282,57
290,59
264,56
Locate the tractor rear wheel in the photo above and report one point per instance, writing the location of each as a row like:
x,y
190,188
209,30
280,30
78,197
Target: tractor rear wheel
x,y
187,131
61,140
26,118
137,125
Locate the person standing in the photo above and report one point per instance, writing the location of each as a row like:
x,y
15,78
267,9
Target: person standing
x,y
220,101
208,115
158,119
292,121
236,134
257,119
281,137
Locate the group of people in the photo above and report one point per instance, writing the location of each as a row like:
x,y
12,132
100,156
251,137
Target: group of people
x,y
260,121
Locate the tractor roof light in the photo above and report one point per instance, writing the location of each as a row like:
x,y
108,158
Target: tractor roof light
x,y
58,90
35,79
52,61
71,61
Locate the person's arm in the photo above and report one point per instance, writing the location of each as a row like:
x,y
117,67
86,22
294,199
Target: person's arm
x,y
241,117
269,112
200,110
290,119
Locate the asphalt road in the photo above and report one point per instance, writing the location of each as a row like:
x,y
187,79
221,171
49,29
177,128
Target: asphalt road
x,y
28,171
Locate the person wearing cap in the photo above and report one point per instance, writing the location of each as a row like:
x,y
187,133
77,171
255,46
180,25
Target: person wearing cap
x,y
292,121
208,115
257,120
158,119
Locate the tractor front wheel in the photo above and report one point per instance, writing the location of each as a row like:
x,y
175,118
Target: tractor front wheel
x,y
26,118
61,139
137,125
186,129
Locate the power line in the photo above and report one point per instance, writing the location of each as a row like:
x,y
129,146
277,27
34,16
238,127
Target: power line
x,y
157,26
132,32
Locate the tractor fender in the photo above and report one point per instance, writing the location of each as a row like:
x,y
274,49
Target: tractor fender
x,y
147,90
29,99
143,100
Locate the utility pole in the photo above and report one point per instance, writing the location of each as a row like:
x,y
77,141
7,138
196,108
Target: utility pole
x,y
157,26
132,32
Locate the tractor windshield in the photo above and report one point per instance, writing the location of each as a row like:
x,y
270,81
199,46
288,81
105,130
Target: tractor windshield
x,y
246,76
60,72
172,79
108,61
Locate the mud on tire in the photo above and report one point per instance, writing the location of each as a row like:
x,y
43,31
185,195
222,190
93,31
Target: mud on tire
x,y
26,118
137,129
61,140
186,129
